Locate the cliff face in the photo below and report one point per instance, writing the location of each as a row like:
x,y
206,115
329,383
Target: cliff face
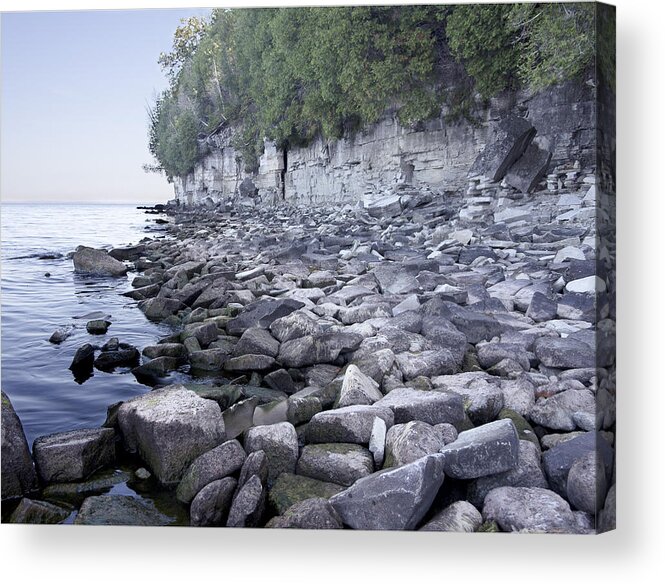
x,y
438,154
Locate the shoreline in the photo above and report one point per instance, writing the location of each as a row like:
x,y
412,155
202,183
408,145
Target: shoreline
x,y
391,341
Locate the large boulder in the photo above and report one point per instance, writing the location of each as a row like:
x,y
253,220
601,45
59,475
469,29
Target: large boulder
x,y
98,262
351,424
408,442
529,169
308,514
217,463
432,407
73,455
280,444
211,505
358,388
169,428
342,464
486,450
396,498
565,353
18,472
120,510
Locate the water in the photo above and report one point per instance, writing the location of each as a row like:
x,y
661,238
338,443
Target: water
x,y
35,372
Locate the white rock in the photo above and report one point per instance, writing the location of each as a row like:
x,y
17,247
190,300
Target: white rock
x,y
377,441
590,285
568,252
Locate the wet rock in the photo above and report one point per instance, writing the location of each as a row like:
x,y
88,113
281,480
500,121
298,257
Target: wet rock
x,y
486,450
529,510
290,489
83,360
256,341
73,455
209,359
352,424
396,498
406,443
432,407
38,512
342,464
169,428
220,462
128,253
460,516
565,353
249,363
127,356
308,514
18,472
119,510
280,444
248,504
176,350
98,326
262,314
61,335
155,368
96,262
358,389
211,505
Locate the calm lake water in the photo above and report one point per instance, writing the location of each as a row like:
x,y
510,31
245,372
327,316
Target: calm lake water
x,y
35,372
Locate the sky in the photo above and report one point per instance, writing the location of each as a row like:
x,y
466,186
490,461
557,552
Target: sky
x,y
75,87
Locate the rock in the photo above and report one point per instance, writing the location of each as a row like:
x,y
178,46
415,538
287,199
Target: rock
x,y
256,341
128,253
169,428
302,409
527,473
61,335
308,514
83,360
558,460
482,400
432,407
427,363
565,353
208,359
386,206
352,424
541,308
262,314
18,473
175,350
511,215
460,516
607,519
160,308
143,474
408,304
290,489
511,137
96,262
358,389
524,429
486,450
588,285
38,512
123,357
272,412
557,412
342,464
293,326
396,498
406,443
280,380
280,444
73,455
239,417
97,327
256,463
529,510
211,505
205,333
518,395
119,510
74,493
586,486
155,368
249,363
218,463
248,505
568,252
529,169
377,441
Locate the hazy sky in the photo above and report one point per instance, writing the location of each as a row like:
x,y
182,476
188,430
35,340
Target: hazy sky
x,y
75,86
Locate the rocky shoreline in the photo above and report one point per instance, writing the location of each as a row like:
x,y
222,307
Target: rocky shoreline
x,y
426,361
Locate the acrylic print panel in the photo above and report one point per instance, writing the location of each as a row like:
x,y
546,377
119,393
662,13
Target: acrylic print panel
x,y
368,283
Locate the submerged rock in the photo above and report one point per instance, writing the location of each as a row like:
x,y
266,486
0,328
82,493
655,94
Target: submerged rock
x,y
119,510
97,262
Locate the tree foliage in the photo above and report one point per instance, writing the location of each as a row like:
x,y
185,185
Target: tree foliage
x,y
290,74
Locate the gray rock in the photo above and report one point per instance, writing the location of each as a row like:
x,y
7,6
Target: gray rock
x,y
38,512
352,424
239,417
301,409
256,463
527,473
83,359
158,367
262,314
386,206
308,514
119,510
169,428
427,363
18,472
175,350
529,510
406,443
482,400
586,486
160,308
358,389
396,498
460,516
281,381
377,364
556,412
541,308
71,456
248,504
98,326
486,450
432,407
518,395
565,353
220,462
122,357
211,505
205,333
447,432
377,441
249,363
364,312
96,262
342,464
607,519
208,359
293,326
311,350
61,334
443,333
128,253
280,444
529,169
272,412
256,341
290,489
